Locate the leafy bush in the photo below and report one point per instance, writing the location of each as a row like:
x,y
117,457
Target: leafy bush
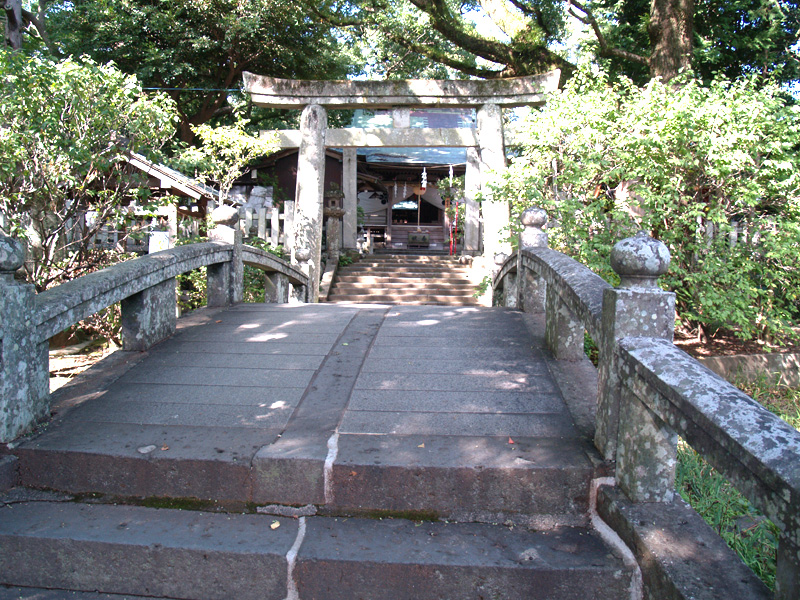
x,y
712,171
65,130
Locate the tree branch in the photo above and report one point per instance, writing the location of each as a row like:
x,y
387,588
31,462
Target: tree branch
x,y
28,18
441,57
605,50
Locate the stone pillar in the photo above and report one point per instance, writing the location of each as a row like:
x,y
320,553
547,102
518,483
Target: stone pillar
x,y
563,333
638,307
307,249
510,291
277,288
492,160
225,284
532,288
298,294
24,359
149,316
472,185
647,452
787,575
350,189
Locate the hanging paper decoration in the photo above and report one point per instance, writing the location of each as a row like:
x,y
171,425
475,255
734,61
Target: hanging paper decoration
x,y
451,174
405,193
424,185
395,190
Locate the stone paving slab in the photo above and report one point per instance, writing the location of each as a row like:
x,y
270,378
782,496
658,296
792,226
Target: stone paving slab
x,y
202,358
447,365
456,352
274,398
457,402
216,376
147,552
152,412
215,348
18,593
455,424
445,382
245,336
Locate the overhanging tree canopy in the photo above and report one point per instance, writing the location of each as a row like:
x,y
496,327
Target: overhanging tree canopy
x,y
197,49
642,38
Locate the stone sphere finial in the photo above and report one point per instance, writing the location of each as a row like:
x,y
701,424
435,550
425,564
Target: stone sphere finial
x,y
302,254
533,235
225,215
534,217
639,261
12,256
500,258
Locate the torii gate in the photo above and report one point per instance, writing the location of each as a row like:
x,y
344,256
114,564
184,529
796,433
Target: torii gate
x,y
485,144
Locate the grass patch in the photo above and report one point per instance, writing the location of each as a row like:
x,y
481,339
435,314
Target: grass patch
x,y
748,532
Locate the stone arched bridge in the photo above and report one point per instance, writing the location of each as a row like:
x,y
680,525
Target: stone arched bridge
x,y
293,450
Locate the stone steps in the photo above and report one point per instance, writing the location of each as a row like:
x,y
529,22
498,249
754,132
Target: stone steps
x,y
405,280
133,551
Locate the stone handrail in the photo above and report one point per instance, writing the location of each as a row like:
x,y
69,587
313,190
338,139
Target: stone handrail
x,y
145,287
60,307
266,261
650,392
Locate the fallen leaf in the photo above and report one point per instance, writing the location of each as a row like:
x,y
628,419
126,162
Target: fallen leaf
x,y
353,473
345,344
165,447
146,449
274,525
218,321
510,441
422,445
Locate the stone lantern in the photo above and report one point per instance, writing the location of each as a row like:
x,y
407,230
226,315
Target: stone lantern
x,y
332,210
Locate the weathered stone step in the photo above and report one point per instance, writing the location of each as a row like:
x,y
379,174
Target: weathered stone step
x,y
211,556
400,298
400,278
374,286
421,270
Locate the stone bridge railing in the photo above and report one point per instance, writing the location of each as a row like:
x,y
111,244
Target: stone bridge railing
x,y
146,289
649,393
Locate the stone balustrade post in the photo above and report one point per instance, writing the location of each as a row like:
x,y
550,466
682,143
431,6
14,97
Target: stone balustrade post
x,y
787,573
24,361
277,288
532,287
149,316
225,281
637,308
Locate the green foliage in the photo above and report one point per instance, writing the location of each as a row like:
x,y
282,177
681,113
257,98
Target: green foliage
x,y
199,48
345,260
685,164
223,155
65,130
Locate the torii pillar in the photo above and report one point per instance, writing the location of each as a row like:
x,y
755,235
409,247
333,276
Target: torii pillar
x,y
492,160
307,249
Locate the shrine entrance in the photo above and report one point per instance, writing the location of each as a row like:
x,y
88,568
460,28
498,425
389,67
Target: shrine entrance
x,y
484,226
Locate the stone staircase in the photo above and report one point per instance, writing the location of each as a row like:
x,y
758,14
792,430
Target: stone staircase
x,y
405,279
153,482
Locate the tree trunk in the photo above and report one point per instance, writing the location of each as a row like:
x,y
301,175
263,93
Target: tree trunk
x,y
13,10
671,31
